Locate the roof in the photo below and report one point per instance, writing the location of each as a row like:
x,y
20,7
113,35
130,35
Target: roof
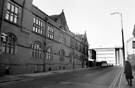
x,y
61,17
79,35
54,17
131,39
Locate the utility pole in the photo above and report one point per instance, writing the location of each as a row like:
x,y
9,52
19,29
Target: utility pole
x,y
123,45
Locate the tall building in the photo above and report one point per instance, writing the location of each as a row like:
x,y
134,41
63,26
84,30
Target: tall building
x,y
32,40
111,55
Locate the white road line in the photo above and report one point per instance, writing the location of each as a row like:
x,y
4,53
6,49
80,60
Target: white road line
x,y
113,84
74,78
75,83
114,78
117,78
120,80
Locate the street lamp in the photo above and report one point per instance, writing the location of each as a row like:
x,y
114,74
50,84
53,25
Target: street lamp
x,y
123,47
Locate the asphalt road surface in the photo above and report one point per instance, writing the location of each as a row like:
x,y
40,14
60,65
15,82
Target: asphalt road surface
x,y
101,77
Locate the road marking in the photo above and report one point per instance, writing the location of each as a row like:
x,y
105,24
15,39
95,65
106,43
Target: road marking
x,y
74,78
117,79
79,77
113,84
119,85
75,83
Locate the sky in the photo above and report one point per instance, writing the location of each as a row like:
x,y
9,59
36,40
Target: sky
x,y
94,17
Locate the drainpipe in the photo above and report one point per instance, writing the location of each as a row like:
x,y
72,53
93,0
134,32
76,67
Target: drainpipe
x,y
22,14
44,59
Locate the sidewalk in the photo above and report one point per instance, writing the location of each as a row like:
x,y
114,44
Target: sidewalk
x,y
11,78
123,82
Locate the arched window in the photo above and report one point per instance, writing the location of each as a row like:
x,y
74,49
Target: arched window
x,y
36,50
9,43
62,55
75,58
70,57
49,54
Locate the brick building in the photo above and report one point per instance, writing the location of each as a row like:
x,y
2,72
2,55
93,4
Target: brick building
x,y
31,40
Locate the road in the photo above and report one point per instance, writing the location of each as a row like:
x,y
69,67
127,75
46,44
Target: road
x,y
101,77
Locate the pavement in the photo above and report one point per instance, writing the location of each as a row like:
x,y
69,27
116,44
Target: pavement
x,y
123,83
11,78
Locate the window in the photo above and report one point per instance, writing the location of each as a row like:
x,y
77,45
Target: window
x,y
49,54
79,47
80,57
75,61
70,57
76,45
12,12
80,62
62,38
62,55
36,50
9,43
86,50
76,56
71,42
50,32
37,25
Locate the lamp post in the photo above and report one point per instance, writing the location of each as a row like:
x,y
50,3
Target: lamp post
x,y
123,47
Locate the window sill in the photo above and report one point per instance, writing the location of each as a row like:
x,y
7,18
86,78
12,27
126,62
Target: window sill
x,y
16,24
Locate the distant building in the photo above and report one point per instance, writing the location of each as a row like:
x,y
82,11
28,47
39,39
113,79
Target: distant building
x,y
92,57
31,41
92,54
130,46
111,55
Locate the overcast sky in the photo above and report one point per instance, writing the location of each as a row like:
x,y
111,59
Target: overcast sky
x,y
94,17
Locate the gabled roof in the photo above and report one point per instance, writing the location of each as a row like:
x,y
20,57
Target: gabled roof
x,y
83,37
61,17
54,17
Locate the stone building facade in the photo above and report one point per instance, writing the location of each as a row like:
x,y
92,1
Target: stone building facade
x,y
32,41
